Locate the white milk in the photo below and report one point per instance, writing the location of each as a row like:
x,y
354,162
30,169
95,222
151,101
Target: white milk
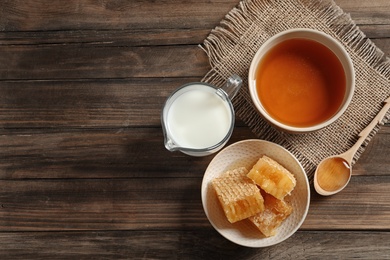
x,y
199,118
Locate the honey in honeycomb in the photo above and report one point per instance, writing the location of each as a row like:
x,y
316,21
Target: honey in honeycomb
x,y
275,212
272,177
239,197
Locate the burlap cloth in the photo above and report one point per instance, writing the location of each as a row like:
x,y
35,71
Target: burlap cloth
x,y
232,45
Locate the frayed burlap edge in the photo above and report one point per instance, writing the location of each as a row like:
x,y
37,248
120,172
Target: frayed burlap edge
x,y
232,45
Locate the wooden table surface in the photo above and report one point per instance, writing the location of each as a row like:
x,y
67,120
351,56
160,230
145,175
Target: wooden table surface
x,y
83,170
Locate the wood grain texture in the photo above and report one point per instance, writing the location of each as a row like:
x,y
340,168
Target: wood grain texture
x,y
19,15
189,245
367,11
84,62
83,170
142,203
114,37
105,14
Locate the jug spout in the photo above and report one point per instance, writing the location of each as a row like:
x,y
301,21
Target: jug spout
x,y
170,145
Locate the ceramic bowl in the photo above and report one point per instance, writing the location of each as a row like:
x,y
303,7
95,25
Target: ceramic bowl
x,y
246,153
331,44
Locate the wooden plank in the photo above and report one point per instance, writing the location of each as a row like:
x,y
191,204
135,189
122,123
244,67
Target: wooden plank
x,y
367,11
188,245
376,31
85,103
112,153
20,15
363,204
167,204
128,37
123,204
129,153
77,61
375,159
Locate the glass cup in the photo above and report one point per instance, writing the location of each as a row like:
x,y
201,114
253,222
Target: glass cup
x,y
198,118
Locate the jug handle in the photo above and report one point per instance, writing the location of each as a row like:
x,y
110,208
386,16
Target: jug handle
x,y
232,86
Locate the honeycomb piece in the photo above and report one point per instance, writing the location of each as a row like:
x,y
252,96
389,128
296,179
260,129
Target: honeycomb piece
x,y
239,197
272,177
275,212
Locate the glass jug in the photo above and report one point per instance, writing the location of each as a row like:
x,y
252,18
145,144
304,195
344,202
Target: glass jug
x,y
198,118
